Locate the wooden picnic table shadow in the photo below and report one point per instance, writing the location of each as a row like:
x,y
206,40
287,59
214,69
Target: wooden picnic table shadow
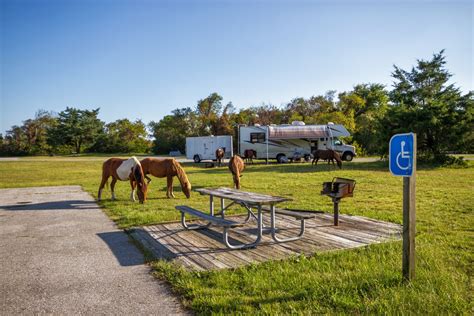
x,y
65,205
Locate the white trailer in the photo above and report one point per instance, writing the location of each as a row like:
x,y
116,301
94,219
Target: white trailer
x,y
204,147
297,140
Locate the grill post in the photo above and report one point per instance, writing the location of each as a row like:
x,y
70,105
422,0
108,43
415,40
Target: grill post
x,y
336,211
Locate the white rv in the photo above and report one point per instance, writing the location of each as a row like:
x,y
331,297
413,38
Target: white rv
x,y
282,142
204,147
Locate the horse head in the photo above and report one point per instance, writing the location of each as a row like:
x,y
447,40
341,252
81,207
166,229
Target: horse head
x,y
142,187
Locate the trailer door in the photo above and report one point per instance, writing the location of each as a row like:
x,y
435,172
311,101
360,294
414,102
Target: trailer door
x,y
208,151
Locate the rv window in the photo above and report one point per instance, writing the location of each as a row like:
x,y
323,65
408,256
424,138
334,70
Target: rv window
x,y
257,137
337,142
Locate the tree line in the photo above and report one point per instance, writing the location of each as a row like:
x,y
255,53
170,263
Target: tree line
x,y
421,100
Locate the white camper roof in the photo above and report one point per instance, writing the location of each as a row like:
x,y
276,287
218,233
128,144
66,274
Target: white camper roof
x,y
306,131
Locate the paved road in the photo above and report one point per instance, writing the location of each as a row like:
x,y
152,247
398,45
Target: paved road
x,y
59,254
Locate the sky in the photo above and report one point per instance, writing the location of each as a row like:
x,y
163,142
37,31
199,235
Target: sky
x,y
142,59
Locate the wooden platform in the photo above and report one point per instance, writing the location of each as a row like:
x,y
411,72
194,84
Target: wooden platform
x,y
203,249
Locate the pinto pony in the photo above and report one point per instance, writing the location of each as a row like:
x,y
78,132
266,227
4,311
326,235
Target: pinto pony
x,y
236,166
167,168
124,169
249,154
220,155
329,155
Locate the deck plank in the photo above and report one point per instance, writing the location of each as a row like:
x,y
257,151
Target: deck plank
x,y
204,250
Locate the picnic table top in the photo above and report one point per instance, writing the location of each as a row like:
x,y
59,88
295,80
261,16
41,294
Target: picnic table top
x,y
243,196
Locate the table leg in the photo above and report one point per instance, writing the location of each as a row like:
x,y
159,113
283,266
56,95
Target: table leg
x,y
251,245
222,208
211,205
273,227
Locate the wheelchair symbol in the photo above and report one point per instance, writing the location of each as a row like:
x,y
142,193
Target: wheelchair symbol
x,y
403,155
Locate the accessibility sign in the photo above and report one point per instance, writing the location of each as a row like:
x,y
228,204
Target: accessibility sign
x,y
401,154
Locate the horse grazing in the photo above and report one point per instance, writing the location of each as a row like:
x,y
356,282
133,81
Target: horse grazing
x,y
124,169
167,168
329,155
220,155
249,154
236,166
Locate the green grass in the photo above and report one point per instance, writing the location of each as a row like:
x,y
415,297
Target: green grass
x,y
365,280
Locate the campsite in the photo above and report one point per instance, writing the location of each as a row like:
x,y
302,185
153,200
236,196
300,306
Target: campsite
x,y
361,280
229,157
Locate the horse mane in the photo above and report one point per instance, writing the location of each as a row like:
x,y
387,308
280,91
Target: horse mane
x,y
182,177
138,174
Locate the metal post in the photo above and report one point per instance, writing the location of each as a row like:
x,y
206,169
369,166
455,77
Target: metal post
x,y
336,211
222,208
268,133
409,221
211,204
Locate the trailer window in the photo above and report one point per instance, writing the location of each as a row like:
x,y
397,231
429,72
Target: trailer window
x,y
257,138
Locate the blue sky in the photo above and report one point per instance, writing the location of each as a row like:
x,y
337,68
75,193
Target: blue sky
x,y
142,59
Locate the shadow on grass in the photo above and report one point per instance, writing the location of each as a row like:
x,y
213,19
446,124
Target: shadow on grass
x,y
51,206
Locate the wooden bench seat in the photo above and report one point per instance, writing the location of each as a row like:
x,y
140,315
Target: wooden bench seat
x,y
217,221
297,214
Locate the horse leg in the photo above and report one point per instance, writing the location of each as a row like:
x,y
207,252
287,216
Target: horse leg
x,y
148,179
101,186
112,187
169,183
133,184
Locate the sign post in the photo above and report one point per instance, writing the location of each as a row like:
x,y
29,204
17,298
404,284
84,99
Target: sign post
x,y
402,157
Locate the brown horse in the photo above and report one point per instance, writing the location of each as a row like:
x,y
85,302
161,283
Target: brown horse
x,y
236,166
249,154
329,155
124,169
220,155
167,168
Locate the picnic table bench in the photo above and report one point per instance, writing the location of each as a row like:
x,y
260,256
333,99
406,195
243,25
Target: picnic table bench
x,y
250,201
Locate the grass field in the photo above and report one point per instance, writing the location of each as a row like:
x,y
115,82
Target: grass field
x,y
365,280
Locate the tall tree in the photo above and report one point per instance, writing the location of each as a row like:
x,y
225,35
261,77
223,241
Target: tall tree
x,y
367,104
122,136
208,111
76,128
424,102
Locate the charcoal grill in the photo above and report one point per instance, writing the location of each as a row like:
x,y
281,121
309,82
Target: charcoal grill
x,y
338,189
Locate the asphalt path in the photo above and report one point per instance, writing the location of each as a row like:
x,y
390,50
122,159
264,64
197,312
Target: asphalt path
x,y
60,254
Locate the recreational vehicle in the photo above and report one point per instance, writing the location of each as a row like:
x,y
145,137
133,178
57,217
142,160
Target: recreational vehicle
x,y
282,142
204,147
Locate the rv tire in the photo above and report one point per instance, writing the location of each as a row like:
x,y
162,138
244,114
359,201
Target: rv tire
x,y
197,159
279,158
348,156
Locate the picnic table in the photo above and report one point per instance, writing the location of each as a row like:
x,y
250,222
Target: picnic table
x,y
255,204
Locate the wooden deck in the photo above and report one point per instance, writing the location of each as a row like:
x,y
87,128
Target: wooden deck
x,y
203,249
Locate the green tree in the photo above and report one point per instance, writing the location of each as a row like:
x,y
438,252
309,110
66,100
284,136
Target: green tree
x,y
425,103
208,111
367,104
76,128
171,131
122,136
15,142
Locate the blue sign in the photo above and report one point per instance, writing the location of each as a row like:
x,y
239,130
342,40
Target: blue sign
x,y
401,154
